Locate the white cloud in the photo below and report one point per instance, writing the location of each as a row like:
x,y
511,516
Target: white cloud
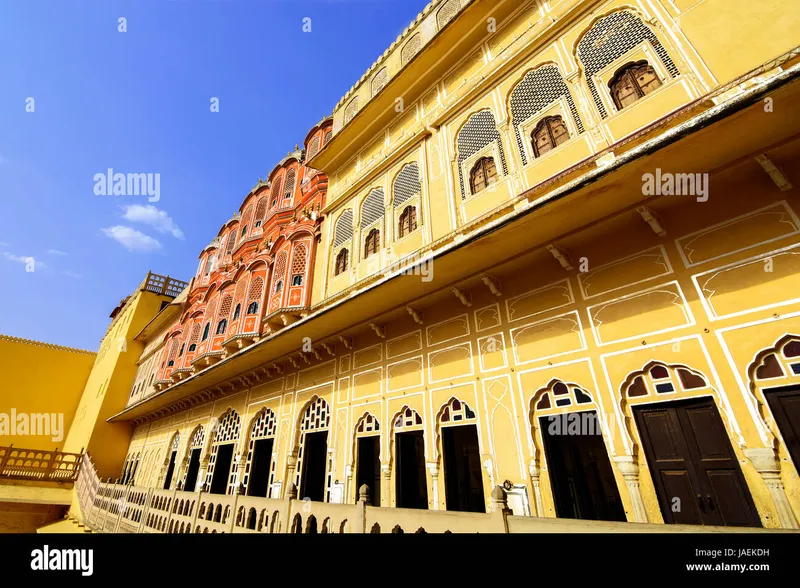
x,y
153,217
71,274
55,252
26,259
132,239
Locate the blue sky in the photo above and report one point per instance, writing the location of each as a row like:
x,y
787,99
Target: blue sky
x,y
140,102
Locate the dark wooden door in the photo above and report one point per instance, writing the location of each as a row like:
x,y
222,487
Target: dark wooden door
x,y
694,469
411,484
462,469
785,406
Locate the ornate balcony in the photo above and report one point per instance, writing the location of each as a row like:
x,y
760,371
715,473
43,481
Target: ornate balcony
x,y
236,342
38,465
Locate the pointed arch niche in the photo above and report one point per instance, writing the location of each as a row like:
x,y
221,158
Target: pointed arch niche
x,y
573,442
774,384
674,409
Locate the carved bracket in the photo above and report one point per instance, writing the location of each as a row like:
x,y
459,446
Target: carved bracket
x,y
493,284
464,297
651,218
561,256
415,313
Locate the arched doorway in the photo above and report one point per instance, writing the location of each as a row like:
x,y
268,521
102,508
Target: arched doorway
x,y
695,471
313,452
259,469
411,485
368,456
173,456
195,450
776,372
458,434
221,477
569,425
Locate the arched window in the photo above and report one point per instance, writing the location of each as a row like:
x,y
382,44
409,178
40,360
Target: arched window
x,y
171,363
288,187
237,311
408,221
180,353
341,262
221,326
297,280
192,347
632,82
372,243
205,331
244,231
549,134
279,286
252,308
483,174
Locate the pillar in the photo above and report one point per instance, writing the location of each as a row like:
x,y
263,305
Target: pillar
x,y
535,472
629,469
768,465
386,470
433,469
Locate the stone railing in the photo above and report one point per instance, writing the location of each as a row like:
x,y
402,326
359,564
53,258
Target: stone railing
x,y
163,284
116,508
38,465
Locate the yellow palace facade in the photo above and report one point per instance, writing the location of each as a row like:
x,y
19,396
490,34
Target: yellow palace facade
x,y
557,254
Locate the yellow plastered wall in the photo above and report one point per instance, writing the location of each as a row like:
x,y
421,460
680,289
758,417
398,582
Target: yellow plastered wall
x,y
717,29
109,385
40,379
710,43
643,298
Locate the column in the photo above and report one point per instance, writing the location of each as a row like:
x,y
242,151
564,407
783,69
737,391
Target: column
x,y
433,469
241,463
769,466
630,471
386,470
291,466
535,472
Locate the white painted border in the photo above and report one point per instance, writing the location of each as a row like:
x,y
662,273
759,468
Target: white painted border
x,y
707,306
580,332
685,307
379,360
496,306
717,385
489,424
418,332
783,203
353,387
421,359
596,393
438,351
749,400
464,316
534,291
503,351
620,261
